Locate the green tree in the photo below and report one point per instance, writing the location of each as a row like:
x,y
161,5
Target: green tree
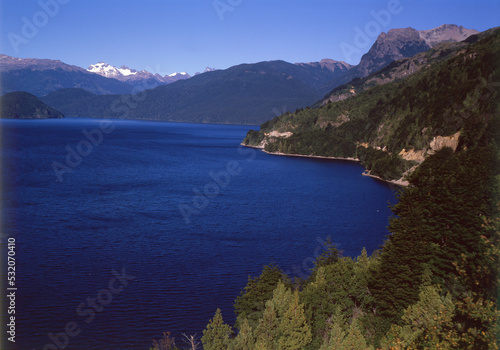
x,y
245,338
296,333
331,289
251,303
216,335
330,255
355,339
335,338
284,324
338,339
427,324
267,331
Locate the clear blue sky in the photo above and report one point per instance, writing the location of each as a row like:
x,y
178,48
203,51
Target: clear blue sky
x,y
167,36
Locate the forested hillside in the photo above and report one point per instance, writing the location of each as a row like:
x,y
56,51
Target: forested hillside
x,y
434,282
23,105
394,126
433,285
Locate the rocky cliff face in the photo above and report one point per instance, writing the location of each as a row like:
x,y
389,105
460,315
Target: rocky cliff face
x,y
437,143
400,53
391,46
406,42
445,33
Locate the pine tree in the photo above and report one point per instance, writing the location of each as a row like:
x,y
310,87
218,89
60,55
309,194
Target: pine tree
x,y
334,339
245,339
267,331
283,324
426,324
296,333
251,303
331,287
338,339
355,339
216,335
360,291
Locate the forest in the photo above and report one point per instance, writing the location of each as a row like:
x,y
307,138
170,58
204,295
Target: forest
x,y
433,285
434,282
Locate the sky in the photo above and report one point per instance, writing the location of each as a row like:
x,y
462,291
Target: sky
x,y
166,36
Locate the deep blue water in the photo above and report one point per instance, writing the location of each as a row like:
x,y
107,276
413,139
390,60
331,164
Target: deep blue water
x,y
120,209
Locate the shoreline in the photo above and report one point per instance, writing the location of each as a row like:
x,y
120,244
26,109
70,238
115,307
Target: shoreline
x,y
301,155
400,182
311,156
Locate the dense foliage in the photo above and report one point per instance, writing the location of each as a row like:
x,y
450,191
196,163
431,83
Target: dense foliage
x,y
432,286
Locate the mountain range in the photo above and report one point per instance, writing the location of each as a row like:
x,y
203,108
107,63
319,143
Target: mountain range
x,y
42,76
140,80
242,94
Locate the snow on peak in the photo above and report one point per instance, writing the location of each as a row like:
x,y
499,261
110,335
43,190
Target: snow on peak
x,y
104,69
126,71
175,74
107,70
127,74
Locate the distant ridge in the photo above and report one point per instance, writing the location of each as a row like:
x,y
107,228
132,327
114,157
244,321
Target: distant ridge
x,y
23,105
42,76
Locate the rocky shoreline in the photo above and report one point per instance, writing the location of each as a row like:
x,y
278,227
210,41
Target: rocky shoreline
x,y
399,182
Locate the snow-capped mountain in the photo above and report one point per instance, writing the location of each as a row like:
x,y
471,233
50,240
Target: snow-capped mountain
x,y
179,75
139,79
108,71
43,76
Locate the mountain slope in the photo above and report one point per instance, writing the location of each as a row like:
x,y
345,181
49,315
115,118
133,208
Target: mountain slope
x,y
42,76
243,94
23,105
396,70
450,102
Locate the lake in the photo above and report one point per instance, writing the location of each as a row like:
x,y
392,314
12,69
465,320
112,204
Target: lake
x,y
127,229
